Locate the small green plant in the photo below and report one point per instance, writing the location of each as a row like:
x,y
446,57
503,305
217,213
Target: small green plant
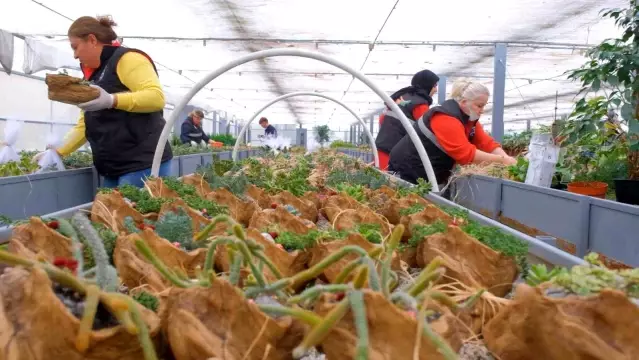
x,y
322,134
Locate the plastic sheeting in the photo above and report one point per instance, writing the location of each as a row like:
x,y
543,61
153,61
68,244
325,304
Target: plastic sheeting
x,y
40,55
6,51
190,38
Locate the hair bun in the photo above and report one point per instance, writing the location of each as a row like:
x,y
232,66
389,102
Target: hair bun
x,y
106,21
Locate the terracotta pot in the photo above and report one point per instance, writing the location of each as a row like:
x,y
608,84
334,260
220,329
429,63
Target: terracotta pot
x,y
589,188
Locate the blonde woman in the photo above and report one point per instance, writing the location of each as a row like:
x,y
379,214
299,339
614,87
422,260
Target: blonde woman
x,y
451,134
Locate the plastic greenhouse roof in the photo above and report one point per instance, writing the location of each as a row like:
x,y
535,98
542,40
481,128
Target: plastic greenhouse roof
x,y
190,38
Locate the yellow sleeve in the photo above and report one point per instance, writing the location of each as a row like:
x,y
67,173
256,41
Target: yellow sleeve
x,y
136,72
75,138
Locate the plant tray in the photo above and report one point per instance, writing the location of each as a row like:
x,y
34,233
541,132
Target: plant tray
x,y
70,90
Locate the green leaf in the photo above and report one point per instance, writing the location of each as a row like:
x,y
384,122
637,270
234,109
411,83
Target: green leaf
x,y
596,85
612,80
627,111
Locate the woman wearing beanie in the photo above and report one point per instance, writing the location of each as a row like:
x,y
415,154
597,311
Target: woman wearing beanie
x,y
123,125
414,101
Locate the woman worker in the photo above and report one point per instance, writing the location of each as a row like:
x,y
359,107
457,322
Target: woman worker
x,y
414,101
123,125
191,129
451,134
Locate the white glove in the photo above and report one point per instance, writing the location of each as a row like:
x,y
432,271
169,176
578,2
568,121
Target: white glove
x,y
38,156
104,101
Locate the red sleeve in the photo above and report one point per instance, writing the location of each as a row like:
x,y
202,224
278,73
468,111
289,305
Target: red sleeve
x,y
419,111
483,141
381,119
452,137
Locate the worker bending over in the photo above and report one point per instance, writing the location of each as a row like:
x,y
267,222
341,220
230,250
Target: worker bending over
x,y
451,134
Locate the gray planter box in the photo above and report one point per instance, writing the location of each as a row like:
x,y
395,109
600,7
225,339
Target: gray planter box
x,y
190,163
580,224
38,194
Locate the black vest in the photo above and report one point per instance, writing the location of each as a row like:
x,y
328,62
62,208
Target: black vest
x,y
392,131
121,141
405,160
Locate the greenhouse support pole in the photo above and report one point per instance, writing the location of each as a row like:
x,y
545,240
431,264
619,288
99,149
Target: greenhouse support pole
x,y
421,151
441,90
372,123
306,93
499,92
214,123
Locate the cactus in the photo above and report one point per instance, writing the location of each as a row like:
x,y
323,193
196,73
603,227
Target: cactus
x,y
120,306
391,245
106,275
66,229
358,307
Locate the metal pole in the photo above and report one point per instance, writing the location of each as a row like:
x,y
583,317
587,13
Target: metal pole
x,y
157,158
306,93
441,90
499,91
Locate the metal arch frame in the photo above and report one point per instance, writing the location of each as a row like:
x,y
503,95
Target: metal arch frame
x,y
304,93
157,158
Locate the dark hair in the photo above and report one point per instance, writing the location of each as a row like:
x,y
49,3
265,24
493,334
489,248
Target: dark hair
x,y
101,27
263,120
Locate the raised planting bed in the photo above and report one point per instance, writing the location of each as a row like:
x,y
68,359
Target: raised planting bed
x,y
579,224
295,255
364,155
37,194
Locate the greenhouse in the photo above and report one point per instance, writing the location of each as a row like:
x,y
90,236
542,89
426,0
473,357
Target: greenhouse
x,y
242,179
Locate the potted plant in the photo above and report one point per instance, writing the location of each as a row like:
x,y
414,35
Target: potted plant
x,y
612,67
322,134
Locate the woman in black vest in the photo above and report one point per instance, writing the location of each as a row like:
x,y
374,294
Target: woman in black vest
x,y
191,129
451,134
123,125
414,101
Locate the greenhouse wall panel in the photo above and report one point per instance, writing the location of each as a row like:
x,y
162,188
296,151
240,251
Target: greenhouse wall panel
x,y
614,231
546,211
190,163
481,194
25,196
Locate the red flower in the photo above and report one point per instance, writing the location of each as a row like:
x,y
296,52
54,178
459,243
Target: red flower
x,y
140,226
274,235
274,206
71,264
340,296
55,225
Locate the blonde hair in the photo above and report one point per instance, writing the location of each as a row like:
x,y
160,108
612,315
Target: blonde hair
x,y
197,113
466,89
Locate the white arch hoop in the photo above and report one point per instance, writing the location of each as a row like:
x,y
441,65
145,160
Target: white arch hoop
x,y
304,93
157,158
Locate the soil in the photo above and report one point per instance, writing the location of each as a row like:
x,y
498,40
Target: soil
x,y
74,302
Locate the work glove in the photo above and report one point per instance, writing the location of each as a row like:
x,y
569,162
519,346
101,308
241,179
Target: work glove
x,y
104,101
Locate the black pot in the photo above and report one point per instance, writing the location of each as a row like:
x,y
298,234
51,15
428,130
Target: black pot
x,y
559,186
627,191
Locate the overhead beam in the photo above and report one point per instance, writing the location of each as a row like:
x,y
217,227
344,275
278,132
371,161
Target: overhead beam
x,y
280,41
